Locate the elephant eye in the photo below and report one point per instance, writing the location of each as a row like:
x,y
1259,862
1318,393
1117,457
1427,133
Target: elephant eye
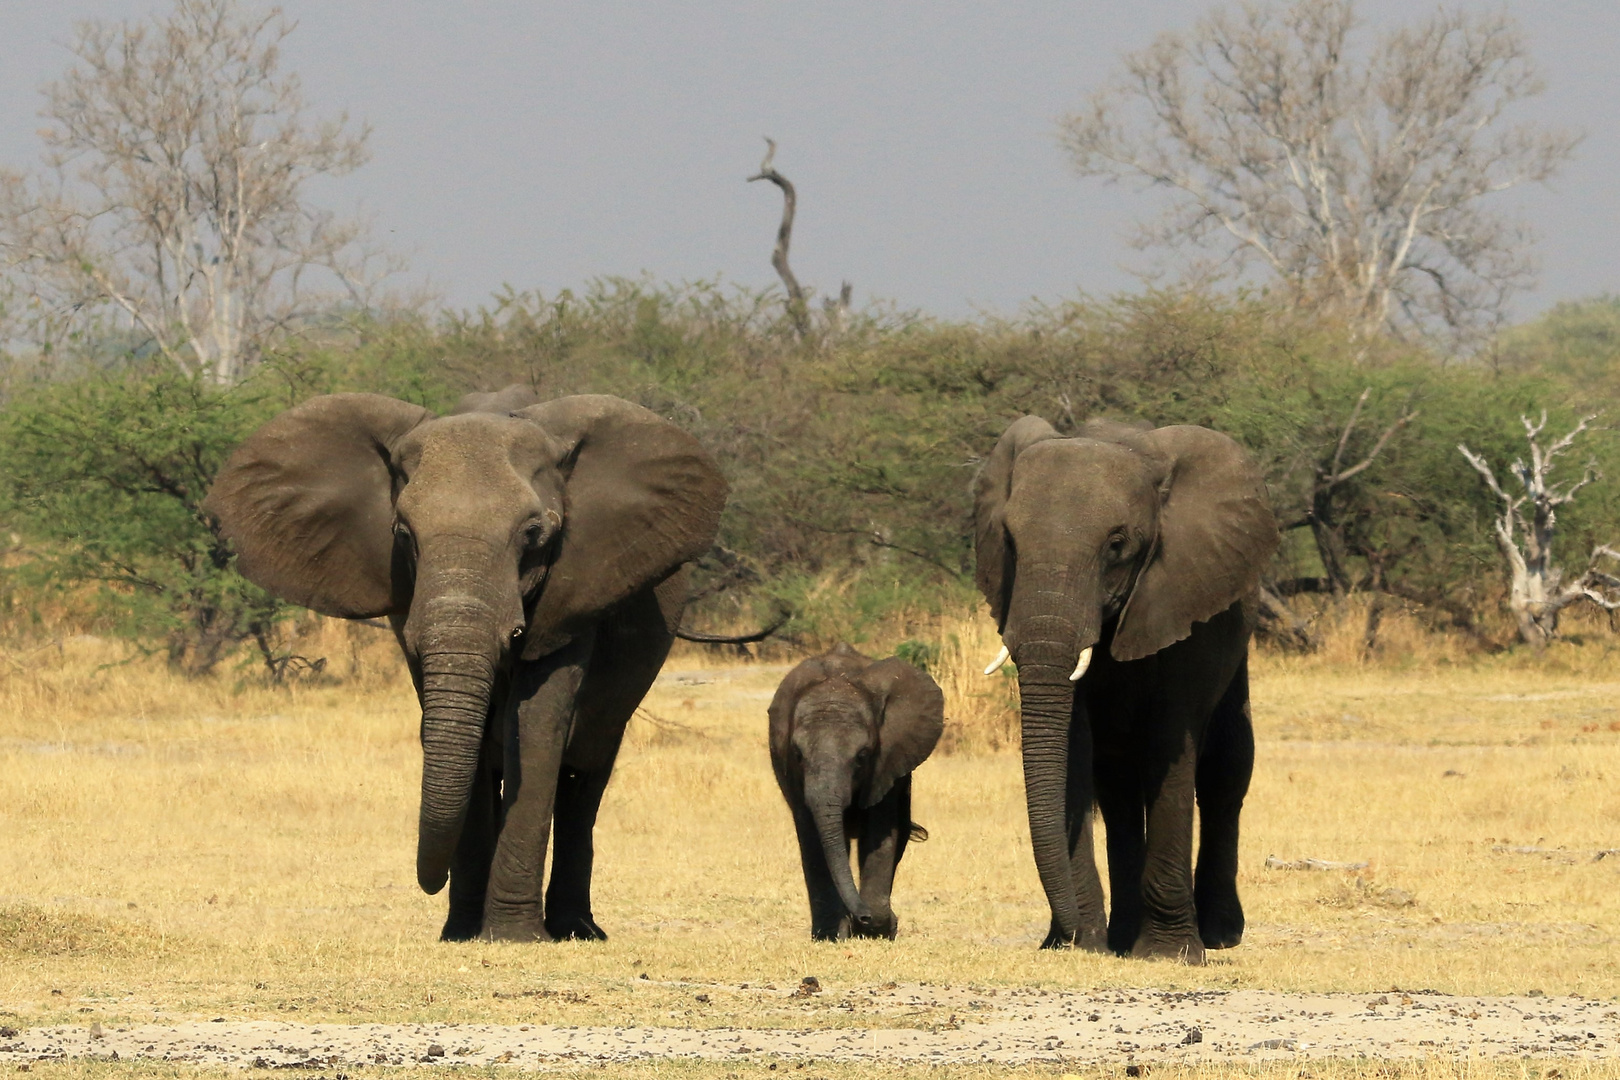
x,y
402,530
534,534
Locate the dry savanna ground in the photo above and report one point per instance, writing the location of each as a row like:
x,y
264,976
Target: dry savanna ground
x,y
1429,1069
221,848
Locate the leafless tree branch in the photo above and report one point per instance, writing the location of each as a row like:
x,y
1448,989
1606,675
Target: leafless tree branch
x,y
797,306
1327,528
1537,592
172,205
1354,173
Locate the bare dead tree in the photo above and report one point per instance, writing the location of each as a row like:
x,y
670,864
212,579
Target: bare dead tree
x,y
1536,589
1354,173
173,200
1326,528
837,311
797,308
798,301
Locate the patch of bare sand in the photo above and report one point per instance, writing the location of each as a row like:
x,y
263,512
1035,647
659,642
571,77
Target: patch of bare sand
x,y
1003,1027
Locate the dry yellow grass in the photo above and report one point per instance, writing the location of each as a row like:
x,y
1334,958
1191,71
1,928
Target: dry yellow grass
x,y
221,848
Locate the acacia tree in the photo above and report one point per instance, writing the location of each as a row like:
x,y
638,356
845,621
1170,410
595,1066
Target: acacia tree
x,y
1357,173
173,201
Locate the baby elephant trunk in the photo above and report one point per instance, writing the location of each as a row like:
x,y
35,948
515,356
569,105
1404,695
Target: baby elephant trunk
x,y
828,813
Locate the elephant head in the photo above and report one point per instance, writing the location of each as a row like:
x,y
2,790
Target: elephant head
x,y
843,729
1138,533
483,536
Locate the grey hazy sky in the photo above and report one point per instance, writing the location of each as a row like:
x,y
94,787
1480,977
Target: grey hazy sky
x,y
540,144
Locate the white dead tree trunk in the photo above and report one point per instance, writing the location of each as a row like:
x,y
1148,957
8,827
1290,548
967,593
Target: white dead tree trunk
x,y
1536,588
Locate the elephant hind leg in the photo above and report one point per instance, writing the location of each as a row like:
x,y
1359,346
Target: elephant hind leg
x,y
568,895
627,651
1224,770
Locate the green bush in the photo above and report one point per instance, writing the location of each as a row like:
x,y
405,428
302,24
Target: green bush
x,y
849,455
108,473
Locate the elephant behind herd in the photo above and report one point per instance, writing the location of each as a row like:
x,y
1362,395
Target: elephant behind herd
x,y
530,557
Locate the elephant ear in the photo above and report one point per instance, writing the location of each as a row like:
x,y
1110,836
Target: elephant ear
x,y
993,570
1215,534
643,497
307,503
912,709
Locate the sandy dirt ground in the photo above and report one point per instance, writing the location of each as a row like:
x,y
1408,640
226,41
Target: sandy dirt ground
x,y
1006,1026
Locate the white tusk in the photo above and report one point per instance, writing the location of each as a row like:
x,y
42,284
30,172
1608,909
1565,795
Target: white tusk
x,y
1080,668
1001,658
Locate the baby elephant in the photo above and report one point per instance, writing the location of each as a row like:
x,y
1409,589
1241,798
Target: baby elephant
x,y
846,732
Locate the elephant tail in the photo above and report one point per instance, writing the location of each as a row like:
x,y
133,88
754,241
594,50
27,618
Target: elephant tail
x,y
918,833
783,614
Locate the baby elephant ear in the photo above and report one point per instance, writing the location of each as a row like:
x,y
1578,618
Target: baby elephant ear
x,y
993,570
307,503
1216,533
913,717
643,497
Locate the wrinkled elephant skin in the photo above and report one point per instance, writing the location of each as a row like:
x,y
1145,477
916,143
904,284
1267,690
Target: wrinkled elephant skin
x,y
1120,565
529,557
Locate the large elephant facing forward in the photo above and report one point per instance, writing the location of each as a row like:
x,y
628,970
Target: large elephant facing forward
x,y
528,556
1120,566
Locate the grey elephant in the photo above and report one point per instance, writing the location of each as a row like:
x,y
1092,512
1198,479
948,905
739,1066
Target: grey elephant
x,y
846,732
1120,565
529,557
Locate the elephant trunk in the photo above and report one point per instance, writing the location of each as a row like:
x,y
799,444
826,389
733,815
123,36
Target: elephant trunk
x,y
828,814
458,662
1050,640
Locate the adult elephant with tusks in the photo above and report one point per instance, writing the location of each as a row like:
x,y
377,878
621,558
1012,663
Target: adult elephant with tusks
x,y
1120,565
529,558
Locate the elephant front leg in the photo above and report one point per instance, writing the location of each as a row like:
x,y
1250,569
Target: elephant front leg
x,y
568,896
1082,847
1119,794
1169,919
884,832
1088,894
829,921
1078,821
542,707
469,870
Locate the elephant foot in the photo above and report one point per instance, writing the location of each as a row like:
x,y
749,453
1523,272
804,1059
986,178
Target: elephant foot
x,y
517,930
1091,938
1183,949
574,928
459,927
832,931
1220,922
883,929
